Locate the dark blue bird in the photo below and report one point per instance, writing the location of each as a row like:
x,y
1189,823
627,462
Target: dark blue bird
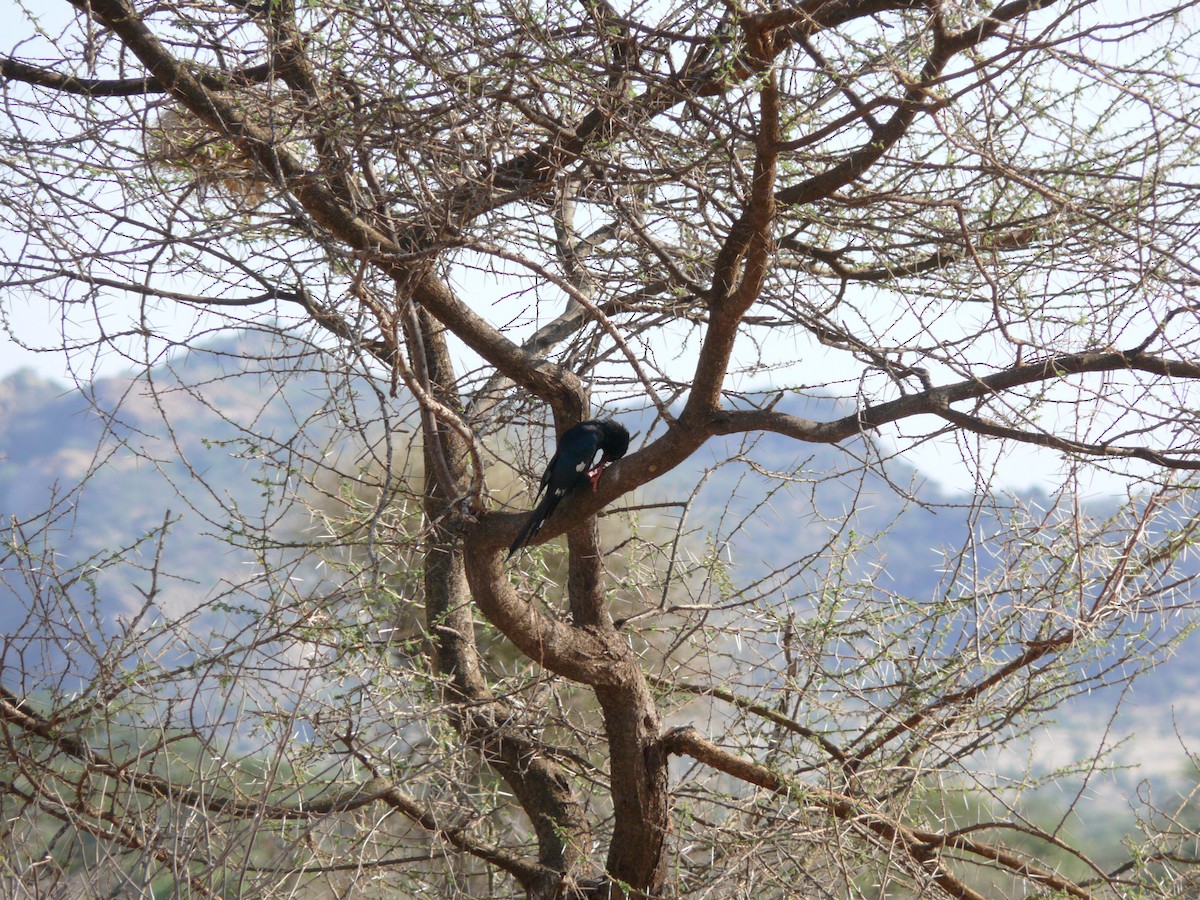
x,y
572,466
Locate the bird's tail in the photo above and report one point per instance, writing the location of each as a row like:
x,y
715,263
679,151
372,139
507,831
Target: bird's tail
x,y
536,519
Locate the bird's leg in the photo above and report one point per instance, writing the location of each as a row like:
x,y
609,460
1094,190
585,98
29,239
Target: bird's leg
x,y
594,474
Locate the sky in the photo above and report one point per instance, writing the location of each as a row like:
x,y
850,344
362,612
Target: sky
x,y
953,462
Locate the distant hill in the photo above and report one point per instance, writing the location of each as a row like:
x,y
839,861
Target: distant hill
x,y
143,452
84,474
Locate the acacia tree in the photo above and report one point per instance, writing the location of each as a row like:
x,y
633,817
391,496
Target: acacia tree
x,y
966,220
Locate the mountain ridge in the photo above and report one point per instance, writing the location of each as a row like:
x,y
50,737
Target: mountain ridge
x,y
114,434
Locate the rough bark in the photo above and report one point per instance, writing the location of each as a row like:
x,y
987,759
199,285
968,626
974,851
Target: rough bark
x,y
492,727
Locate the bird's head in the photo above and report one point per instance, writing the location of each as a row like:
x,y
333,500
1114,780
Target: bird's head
x,y
614,443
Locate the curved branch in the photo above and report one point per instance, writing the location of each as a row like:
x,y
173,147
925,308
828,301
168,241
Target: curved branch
x,y
17,711
559,388
992,428
632,728
493,531
1032,654
1019,238
758,709
936,401
581,654
15,70
502,734
146,290
946,45
921,846
531,173
693,428
526,873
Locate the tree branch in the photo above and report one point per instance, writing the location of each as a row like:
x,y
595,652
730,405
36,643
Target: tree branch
x,y
921,846
15,70
936,401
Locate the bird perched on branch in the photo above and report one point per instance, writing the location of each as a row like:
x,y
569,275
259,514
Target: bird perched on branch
x,y
572,466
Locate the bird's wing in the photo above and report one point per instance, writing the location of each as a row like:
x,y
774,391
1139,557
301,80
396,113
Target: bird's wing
x,y
568,468
547,474
576,450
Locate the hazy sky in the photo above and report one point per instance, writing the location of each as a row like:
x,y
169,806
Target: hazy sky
x,y
951,462
32,327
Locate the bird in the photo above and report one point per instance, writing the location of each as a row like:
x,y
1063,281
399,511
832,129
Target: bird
x,y
573,465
